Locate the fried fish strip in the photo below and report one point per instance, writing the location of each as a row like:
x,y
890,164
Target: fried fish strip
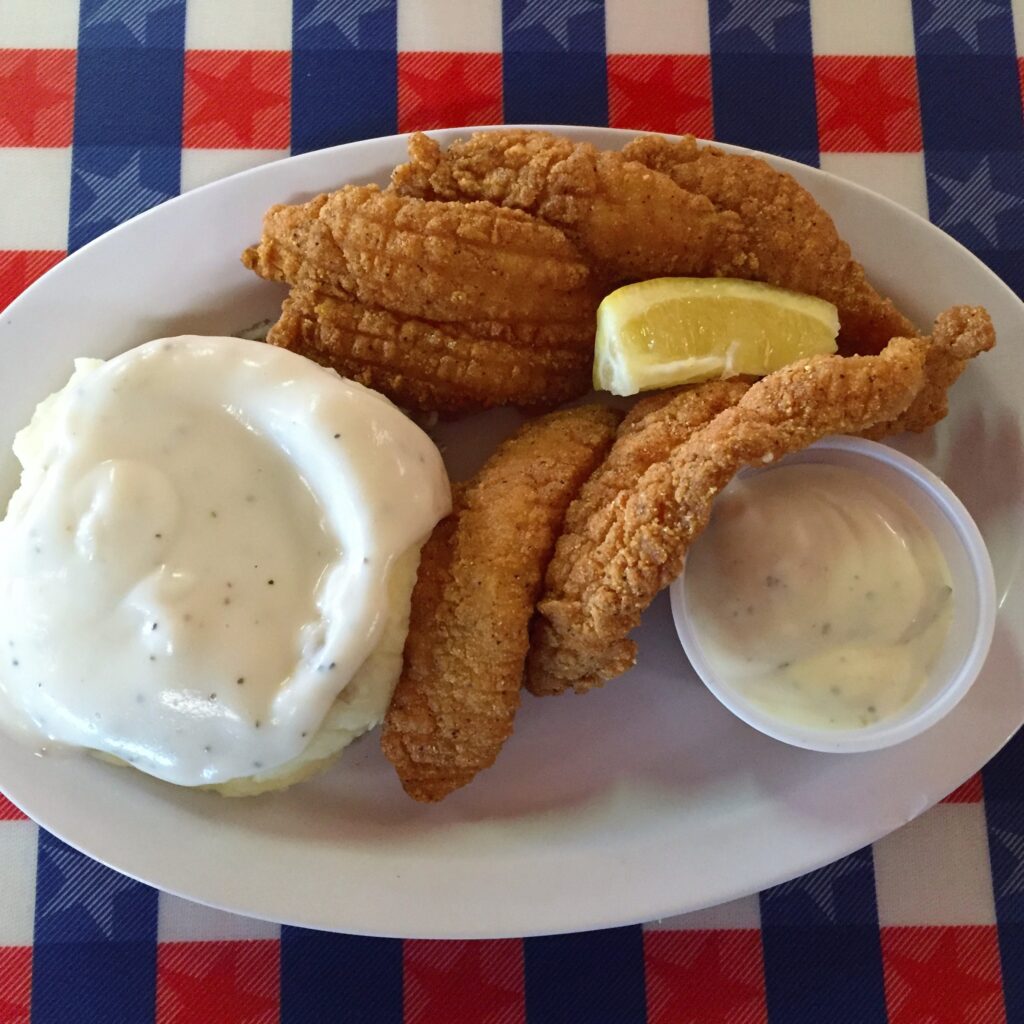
x,y
431,367
626,548
791,241
652,430
479,578
959,334
729,216
447,262
284,247
627,220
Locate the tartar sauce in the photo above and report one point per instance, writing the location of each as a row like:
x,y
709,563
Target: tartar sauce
x,y
198,559
819,594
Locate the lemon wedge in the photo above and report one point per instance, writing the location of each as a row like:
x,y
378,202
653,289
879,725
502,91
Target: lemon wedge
x,y
674,330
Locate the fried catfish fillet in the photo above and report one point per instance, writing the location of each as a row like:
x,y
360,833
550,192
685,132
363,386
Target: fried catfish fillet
x,y
625,545
447,262
790,240
443,307
437,367
728,215
959,334
480,576
628,221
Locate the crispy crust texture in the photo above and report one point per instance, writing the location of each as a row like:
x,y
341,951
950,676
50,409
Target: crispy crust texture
x,y
479,578
628,542
663,208
629,221
436,367
447,262
960,334
790,240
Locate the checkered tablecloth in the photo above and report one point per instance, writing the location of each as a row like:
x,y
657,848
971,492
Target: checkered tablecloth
x,y
110,106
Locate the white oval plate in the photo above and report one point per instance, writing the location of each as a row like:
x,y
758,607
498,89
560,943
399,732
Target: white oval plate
x,y
641,800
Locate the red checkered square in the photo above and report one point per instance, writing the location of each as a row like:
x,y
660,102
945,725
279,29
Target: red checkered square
x,y
8,812
969,793
867,104
37,97
18,269
237,99
705,977
226,982
442,90
942,974
15,984
661,93
464,981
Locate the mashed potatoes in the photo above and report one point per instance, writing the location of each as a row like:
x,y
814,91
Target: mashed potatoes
x,y
206,571
360,706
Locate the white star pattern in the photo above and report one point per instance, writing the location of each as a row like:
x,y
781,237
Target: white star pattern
x,y
962,16
85,884
553,16
975,202
132,14
1014,845
819,885
759,16
344,15
118,197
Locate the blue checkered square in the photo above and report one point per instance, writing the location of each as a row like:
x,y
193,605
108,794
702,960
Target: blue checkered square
x,y
121,24
345,25
111,184
766,101
550,88
341,96
970,103
129,97
553,26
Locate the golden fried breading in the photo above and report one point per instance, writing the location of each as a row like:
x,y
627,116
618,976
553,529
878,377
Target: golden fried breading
x,y
284,246
479,578
960,334
447,262
430,367
652,430
628,221
598,585
791,241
